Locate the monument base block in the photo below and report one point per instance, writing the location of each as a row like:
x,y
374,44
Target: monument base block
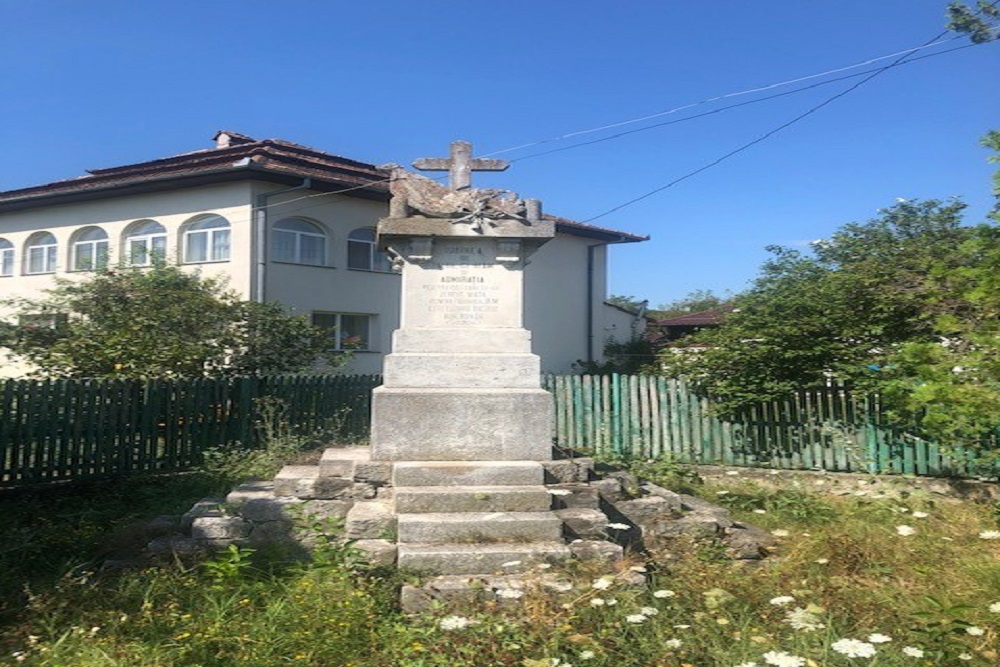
x,y
461,424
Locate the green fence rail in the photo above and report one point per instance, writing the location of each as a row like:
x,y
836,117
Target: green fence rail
x,y
822,429
53,430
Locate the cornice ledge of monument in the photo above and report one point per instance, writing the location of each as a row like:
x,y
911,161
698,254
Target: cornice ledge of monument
x,y
422,207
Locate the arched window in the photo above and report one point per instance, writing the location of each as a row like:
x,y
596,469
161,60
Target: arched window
x,y
40,253
206,240
145,241
363,253
89,249
298,241
6,258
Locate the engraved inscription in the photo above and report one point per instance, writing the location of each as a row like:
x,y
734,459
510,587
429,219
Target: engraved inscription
x,y
459,300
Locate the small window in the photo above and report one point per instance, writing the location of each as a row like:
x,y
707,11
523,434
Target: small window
x,y
54,321
363,252
207,240
6,258
299,242
145,242
349,331
89,249
40,253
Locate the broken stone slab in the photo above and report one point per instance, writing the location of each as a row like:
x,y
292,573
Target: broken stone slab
x,y
295,481
596,550
674,499
270,509
326,509
342,461
208,507
370,520
250,491
380,553
574,495
174,544
461,591
610,489
566,471
220,528
582,523
748,542
650,508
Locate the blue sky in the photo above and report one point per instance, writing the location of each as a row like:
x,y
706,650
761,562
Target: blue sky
x,y
103,83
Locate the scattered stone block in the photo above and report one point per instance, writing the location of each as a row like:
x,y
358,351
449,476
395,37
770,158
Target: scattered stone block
x,y
370,520
582,523
574,495
250,491
220,528
596,550
748,542
209,507
270,509
342,461
295,480
378,552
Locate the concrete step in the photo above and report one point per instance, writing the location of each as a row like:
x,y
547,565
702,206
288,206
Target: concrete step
x,y
467,473
479,527
479,558
340,461
423,499
370,520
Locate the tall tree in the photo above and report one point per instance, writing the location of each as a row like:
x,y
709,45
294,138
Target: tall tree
x,y
158,322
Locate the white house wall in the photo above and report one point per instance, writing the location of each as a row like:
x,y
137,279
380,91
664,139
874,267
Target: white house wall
x,y
556,279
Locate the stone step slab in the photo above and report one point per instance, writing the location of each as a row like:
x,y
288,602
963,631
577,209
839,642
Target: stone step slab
x,y
484,559
370,520
479,527
467,473
424,499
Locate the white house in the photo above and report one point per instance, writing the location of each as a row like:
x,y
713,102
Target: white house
x,y
287,223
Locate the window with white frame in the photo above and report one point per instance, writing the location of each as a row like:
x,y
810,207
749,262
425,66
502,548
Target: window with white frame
x,y
206,240
145,241
299,242
363,252
40,253
89,249
350,331
6,258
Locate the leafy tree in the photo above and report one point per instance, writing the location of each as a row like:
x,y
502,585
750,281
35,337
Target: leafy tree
x,y
695,302
629,303
839,312
158,322
981,24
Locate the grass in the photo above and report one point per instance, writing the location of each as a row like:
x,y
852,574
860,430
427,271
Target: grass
x,y
842,570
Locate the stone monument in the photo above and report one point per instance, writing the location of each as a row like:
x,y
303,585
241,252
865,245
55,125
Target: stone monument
x,y
461,382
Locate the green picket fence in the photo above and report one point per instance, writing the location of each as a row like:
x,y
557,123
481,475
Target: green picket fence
x,y
54,430
821,429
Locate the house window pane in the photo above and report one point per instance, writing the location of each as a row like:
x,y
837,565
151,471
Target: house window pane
x,y
207,240
145,242
40,253
6,258
298,241
363,252
348,331
89,250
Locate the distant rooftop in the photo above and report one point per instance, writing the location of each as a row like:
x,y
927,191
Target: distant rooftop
x,y
237,157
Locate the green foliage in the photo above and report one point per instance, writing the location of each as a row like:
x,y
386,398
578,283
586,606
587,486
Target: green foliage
x,y
981,24
229,565
631,357
695,302
159,322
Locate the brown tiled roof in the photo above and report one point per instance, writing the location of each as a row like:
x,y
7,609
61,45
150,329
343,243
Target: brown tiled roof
x,y
244,158
699,319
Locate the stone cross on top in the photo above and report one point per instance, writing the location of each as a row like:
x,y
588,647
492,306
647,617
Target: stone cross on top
x,y
460,165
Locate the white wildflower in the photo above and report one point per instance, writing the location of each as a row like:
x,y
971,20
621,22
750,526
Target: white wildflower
x,y
905,531
732,473
803,619
681,627
853,648
587,655
913,651
618,526
782,600
782,659
612,602
964,656
597,602
990,535
759,511
780,532
544,566
603,583
879,638
920,515
722,493
638,568
673,643
635,618
822,561
509,593
649,611
975,631
664,593
746,664
454,623
995,607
